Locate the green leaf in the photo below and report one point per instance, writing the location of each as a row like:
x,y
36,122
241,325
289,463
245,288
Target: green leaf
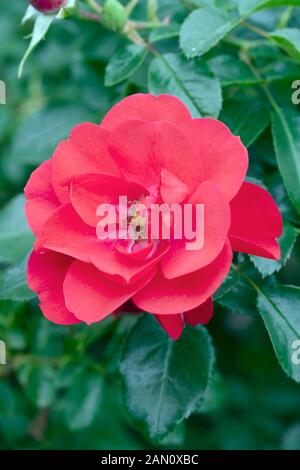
x,y
39,382
83,400
289,40
204,28
16,238
286,135
41,25
266,267
165,380
191,81
246,119
13,283
229,282
231,71
164,32
124,63
36,137
239,298
279,307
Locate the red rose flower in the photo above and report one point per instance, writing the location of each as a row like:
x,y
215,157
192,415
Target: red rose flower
x,y
147,148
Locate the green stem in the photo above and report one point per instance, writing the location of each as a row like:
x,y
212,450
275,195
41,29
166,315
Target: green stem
x,y
264,87
94,6
255,29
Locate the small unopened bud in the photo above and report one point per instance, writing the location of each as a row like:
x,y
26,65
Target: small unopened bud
x,y
114,15
48,6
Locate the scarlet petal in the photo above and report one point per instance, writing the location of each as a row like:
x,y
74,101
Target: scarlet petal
x,y
172,190
91,296
172,324
45,275
168,296
179,260
201,314
224,157
91,140
41,199
66,233
89,191
147,108
255,222
121,267
142,149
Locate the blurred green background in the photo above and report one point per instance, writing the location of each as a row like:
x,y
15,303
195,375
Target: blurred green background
x,y
61,388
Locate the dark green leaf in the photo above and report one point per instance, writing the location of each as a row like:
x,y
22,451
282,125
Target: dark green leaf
x,y
246,119
267,267
191,81
124,63
286,134
165,380
204,28
230,281
13,283
279,307
232,71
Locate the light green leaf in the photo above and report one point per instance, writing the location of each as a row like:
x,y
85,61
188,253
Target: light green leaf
x,y
165,380
13,283
16,238
191,81
36,137
83,400
266,267
279,307
124,63
289,40
286,135
164,32
41,26
39,382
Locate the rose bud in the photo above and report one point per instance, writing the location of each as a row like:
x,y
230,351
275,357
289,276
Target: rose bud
x,y
48,6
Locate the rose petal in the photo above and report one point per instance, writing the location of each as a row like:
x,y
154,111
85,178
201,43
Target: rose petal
x,y
224,157
255,222
91,296
41,199
90,191
180,260
201,314
172,324
147,108
150,147
45,275
164,296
